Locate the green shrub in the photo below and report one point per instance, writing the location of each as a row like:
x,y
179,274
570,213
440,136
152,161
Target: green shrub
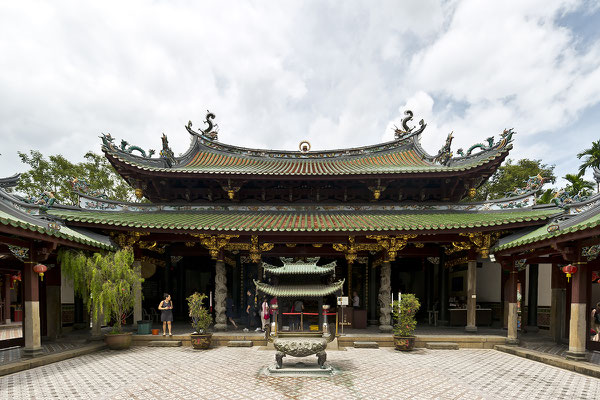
x,y
201,318
405,315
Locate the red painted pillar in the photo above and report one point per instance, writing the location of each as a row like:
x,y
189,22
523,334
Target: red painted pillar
x,y
6,298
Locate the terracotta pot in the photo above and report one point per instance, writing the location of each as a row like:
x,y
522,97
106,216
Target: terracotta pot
x,y
201,341
403,343
155,331
119,341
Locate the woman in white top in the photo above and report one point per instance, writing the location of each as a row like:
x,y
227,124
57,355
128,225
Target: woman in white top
x,y
265,315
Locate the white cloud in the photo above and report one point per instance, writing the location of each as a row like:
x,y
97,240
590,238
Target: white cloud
x,y
337,74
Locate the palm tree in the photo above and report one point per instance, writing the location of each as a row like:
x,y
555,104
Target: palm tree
x,y
592,159
578,185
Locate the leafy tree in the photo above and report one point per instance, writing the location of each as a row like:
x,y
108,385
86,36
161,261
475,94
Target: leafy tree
x,y
54,174
592,159
511,176
578,186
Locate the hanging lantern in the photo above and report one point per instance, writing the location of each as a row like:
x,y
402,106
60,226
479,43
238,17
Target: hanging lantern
x,y
569,270
14,280
40,269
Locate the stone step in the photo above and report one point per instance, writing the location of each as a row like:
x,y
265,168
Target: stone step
x,y
164,343
239,343
441,346
366,345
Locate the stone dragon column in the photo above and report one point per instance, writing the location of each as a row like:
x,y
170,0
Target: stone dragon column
x,y
512,337
472,293
385,298
220,296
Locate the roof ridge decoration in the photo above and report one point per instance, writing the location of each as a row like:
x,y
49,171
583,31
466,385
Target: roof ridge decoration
x,y
10,181
408,131
125,147
211,132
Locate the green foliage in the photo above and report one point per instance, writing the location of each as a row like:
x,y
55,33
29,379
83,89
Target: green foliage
x,y
109,281
54,174
201,318
592,157
546,197
578,186
512,176
76,266
404,313
113,284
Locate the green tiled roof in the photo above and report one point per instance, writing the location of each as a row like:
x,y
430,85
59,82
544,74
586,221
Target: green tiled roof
x,y
300,268
63,233
303,221
398,157
299,290
543,234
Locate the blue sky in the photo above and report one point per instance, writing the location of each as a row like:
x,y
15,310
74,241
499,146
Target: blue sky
x,y
338,74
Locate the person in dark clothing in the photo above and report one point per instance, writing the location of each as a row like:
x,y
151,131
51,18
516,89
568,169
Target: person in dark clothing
x,y
229,311
250,309
166,313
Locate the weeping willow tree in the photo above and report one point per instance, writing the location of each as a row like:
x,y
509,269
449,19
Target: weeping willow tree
x,y
107,282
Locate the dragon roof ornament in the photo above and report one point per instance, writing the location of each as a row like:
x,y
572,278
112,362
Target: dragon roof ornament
x,y
211,132
407,131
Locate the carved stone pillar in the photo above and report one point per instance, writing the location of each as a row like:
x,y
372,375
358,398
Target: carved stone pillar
x,y
220,296
472,295
385,298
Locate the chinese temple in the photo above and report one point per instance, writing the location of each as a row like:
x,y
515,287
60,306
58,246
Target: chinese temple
x,y
392,218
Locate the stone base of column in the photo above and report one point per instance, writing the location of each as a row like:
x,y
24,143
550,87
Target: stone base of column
x,y
96,337
33,352
512,341
7,321
470,328
576,356
385,328
220,327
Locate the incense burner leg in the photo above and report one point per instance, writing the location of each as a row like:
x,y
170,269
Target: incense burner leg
x,y
321,358
279,359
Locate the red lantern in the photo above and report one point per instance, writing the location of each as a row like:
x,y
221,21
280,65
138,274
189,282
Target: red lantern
x,y
40,269
569,270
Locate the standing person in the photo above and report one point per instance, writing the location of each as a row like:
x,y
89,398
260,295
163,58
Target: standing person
x,y
166,313
250,310
229,310
596,322
264,314
355,300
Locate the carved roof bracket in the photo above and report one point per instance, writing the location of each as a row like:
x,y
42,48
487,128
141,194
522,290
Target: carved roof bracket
x,y
254,248
392,244
351,249
214,243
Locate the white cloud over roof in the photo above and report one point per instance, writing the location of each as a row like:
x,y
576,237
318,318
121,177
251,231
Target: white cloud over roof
x,y
339,74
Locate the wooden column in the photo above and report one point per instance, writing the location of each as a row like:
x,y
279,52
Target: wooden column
x,y
349,281
6,298
220,295
443,291
557,304
578,322
511,297
532,304
31,318
385,298
372,293
137,293
472,293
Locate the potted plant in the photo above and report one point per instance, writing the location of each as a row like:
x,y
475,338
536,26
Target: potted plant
x,y
112,289
201,320
404,312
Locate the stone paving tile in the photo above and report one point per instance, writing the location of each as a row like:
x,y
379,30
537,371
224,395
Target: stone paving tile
x,y
233,373
11,355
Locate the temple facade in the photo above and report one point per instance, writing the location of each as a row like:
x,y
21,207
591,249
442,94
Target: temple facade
x,y
391,217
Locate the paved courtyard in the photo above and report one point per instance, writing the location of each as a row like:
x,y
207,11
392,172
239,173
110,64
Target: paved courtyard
x,y
234,373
